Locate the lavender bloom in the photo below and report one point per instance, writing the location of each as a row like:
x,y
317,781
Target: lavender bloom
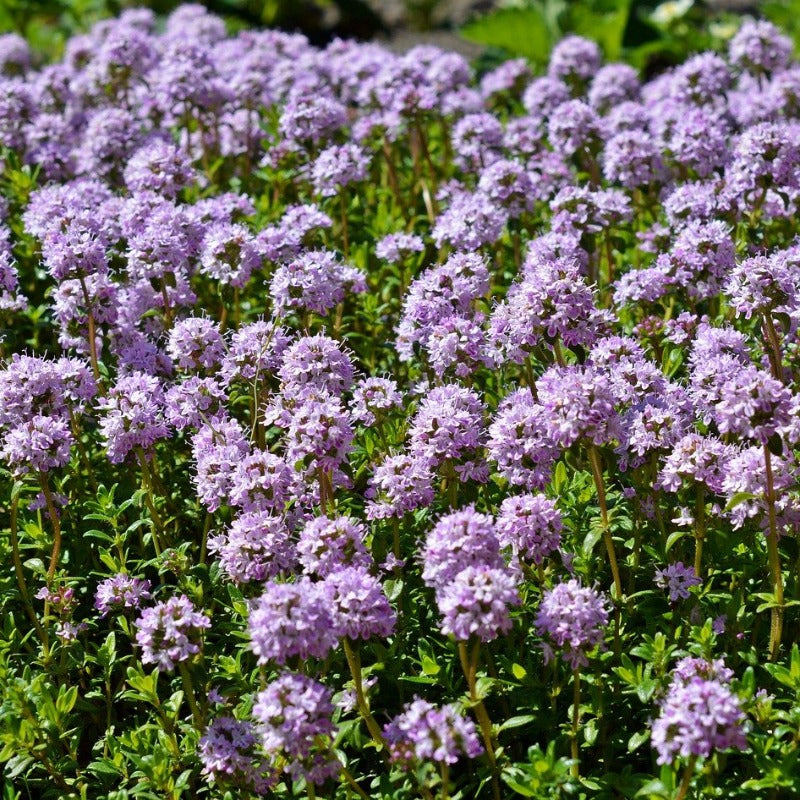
x,y
551,302
613,85
230,254
763,284
688,669
459,540
475,603
766,156
745,474
696,139
194,401
701,79
217,450
74,251
256,351
314,281
510,77
315,362
327,545
653,424
111,136
424,732
444,291
400,484
311,119
31,386
574,60
752,404
359,607
290,619
226,751
319,433
697,201
447,426
471,221
574,126
256,547
294,232
579,210
261,481
678,579
160,167
133,416
395,247
572,618
121,592
519,441
169,632
530,524
508,184
15,55
338,166
457,345
632,159
578,405
372,398
758,46
37,445
476,140
291,714
196,344
697,718
542,96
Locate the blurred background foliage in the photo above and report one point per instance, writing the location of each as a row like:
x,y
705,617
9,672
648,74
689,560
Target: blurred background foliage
x,y
649,34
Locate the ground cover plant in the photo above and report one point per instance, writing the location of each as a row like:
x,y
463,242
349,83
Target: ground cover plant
x,y
372,429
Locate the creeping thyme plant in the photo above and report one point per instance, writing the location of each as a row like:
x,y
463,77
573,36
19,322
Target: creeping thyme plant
x,y
369,428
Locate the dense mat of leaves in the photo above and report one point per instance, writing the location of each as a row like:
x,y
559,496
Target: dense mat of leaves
x,y
372,430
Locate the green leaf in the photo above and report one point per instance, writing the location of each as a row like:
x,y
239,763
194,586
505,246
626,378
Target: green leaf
x,y
429,666
637,740
738,498
560,478
66,699
675,537
519,672
517,722
519,31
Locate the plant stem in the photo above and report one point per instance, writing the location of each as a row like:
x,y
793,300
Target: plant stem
x,y
444,771
776,624
469,663
576,712
686,781
597,473
188,689
699,529
90,324
147,485
345,235
775,358
353,783
23,586
354,662
55,522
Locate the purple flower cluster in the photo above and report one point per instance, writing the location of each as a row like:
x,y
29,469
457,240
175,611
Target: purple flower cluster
x,y
121,592
572,618
700,714
169,633
425,732
291,714
677,579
